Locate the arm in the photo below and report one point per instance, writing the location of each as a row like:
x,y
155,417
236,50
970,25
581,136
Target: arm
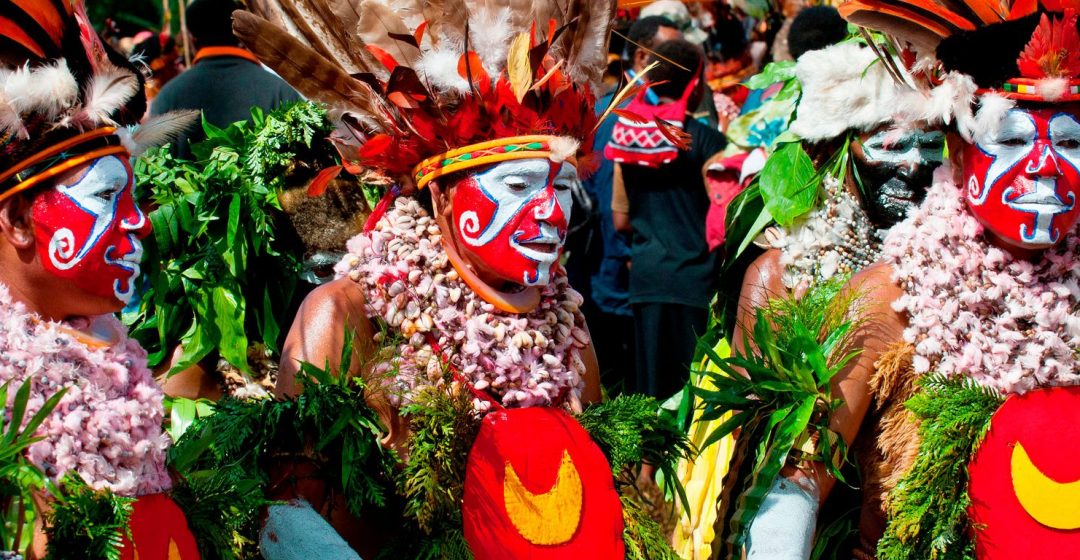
x,y
620,203
317,335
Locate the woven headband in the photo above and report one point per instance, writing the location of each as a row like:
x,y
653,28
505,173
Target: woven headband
x,y
484,153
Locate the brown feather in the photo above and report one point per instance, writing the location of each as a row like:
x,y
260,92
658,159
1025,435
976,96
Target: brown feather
x,y
587,54
306,70
326,26
446,20
377,22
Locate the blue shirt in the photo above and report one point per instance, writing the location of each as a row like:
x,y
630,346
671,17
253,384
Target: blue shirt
x,y
611,281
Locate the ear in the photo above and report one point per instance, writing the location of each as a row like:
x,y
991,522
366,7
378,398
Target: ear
x,y
441,201
641,58
16,225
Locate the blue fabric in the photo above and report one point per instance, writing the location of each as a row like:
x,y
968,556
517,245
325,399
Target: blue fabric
x,y
611,281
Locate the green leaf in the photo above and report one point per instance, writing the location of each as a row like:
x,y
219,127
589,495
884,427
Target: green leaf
x,y
772,73
788,184
229,314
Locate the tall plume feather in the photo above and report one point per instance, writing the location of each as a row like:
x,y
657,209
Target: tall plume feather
x,y
586,57
306,70
162,129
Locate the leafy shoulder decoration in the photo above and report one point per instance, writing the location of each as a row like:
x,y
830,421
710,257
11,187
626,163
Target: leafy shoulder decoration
x,y
222,459
928,509
778,394
219,279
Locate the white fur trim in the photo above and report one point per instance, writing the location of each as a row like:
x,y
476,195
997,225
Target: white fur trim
x,y
440,68
563,148
1052,89
844,87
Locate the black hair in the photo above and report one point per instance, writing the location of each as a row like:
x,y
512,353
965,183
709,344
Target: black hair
x,y
675,80
815,28
643,33
988,54
730,36
210,22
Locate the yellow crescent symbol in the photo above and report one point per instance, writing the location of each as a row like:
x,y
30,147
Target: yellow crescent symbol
x,y
174,551
1054,504
550,518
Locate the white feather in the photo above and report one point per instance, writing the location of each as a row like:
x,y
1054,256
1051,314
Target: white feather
x,y
107,92
1052,89
991,113
49,90
845,87
439,68
490,32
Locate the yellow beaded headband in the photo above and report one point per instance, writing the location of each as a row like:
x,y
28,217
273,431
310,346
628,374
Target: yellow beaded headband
x,y
486,153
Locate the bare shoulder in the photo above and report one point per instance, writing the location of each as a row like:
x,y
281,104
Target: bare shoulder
x,y
763,280
879,289
318,332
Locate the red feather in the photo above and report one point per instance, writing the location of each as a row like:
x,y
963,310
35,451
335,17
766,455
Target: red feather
x,y
419,33
675,134
375,146
1054,50
384,58
630,116
12,31
322,180
471,68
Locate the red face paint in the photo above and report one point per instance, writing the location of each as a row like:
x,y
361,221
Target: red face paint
x,y
89,229
513,218
1023,179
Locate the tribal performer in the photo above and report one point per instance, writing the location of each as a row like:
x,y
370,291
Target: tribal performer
x,y
479,115
70,248
871,170
959,406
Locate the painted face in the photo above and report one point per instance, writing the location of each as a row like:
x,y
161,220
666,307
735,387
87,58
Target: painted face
x,y
895,169
1022,179
512,218
89,228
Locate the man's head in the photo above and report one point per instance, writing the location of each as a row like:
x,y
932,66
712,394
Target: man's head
x,y
815,28
894,168
510,219
648,32
77,240
210,23
679,64
1022,176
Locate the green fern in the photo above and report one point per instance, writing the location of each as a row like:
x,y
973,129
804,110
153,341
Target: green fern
x,y
928,517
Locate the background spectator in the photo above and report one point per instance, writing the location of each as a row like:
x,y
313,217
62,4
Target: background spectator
x,y
673,274
225,81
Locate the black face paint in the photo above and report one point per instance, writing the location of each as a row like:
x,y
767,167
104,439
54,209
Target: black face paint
x,y
894,169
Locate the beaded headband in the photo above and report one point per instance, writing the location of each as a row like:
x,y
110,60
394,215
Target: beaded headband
x,y
484,153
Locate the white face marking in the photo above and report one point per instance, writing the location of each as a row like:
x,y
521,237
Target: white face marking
x,y
1010,144
97,193
511,186
913,147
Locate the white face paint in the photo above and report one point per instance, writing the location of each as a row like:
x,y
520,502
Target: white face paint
x,y
89,230
1023,179
513,217
905,147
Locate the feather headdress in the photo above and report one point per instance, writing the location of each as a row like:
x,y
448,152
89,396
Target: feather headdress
x,y
64,96
422,88
1025,50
